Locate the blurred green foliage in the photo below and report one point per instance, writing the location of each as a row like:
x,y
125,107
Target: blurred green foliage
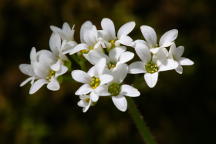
x,y
180,109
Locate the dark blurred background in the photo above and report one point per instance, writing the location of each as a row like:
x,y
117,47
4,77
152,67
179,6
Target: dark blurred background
x,y
181,109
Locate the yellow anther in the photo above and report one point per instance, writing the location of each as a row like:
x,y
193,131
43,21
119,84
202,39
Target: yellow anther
x,y
151,67
95,82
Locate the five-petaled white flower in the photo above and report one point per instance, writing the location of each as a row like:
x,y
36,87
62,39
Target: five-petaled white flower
x,y
67,36
41,71
112,40
150,65
118,91
150,36
176,54
93,81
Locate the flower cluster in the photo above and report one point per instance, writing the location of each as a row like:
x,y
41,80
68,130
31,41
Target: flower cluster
x,y
107,51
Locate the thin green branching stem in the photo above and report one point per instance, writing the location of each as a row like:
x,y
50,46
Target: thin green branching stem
x,y
140,123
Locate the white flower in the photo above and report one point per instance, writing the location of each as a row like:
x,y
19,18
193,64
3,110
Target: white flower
x,y
118,91
93,81
150,65
57,48
89,38
67,36
41,71
150,36
108,33
176,54
85,102
116,57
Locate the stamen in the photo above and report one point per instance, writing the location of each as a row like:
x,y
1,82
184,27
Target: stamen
x,y
151,67
95,82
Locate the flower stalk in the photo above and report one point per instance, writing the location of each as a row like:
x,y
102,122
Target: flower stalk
x,y
140,123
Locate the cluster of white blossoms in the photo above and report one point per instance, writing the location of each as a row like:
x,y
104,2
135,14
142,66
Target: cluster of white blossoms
x,y
107,51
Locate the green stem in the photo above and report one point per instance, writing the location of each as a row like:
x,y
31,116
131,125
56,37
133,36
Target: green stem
x,y
140,123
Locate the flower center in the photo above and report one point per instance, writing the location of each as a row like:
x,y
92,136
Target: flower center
x,y
50,75
114,89
94,82
111,65
151,67
112,42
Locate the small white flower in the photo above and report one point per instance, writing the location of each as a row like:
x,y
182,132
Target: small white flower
x,y
150,36
150,65
85,102
41,71
93,81
108,33
89,38
57,47
176,54
116,57
67,36
118,91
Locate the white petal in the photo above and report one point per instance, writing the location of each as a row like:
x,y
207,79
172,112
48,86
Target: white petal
x,y
55,43
84,89
94,97
92,72
68,32
179,69
115,53
85,109
105,78
77,48
26,69
149,35
126,56
33,54
170,65
90,35
83,28
94,56
168,38
56,66
155,50
100,66
53,85
120,102
63,69
67,47
102,90
82,103
108,26
125,29
151,79
137,67
186,61
120,73
179,52
129,91
125,40
176,53
37,85
161,56
143,53
80,76
26,81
